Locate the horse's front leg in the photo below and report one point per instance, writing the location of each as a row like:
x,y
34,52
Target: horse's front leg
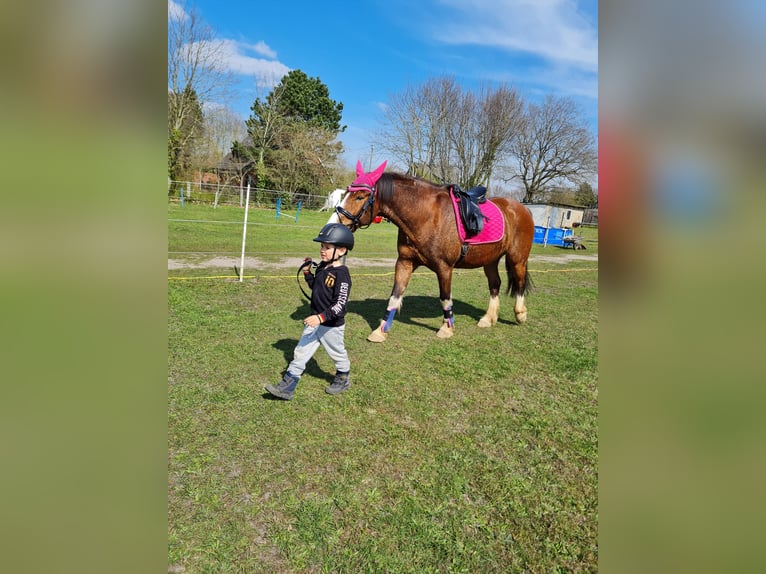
x,y
445,298
402,273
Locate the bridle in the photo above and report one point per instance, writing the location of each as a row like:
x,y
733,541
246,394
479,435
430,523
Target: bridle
x,y
356,220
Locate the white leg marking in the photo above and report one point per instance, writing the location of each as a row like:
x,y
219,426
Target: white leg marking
x,y
395,303
490,317
520,309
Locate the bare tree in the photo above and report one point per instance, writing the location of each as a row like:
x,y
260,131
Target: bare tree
x,y
222,127
197,75
552,146
447,135
404,132
483,131
264,127
416,127
437,103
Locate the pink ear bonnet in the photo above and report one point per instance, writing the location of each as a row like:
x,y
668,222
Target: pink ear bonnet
x,y
366,180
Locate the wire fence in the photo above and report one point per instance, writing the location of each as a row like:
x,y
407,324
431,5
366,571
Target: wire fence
x,y
222,194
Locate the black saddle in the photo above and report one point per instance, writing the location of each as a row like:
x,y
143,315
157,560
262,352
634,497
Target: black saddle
x,y
468,206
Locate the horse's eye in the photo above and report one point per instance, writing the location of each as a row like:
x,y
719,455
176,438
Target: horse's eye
x,y
359,198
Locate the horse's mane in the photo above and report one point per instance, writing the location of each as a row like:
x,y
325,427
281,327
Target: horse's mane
x,y
386,183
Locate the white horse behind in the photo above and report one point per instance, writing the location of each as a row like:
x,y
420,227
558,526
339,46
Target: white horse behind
x,y
333,200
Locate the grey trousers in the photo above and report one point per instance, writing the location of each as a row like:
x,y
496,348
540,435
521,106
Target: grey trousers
x,y
331,338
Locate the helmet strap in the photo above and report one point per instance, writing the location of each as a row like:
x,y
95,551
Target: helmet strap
x,y
335,256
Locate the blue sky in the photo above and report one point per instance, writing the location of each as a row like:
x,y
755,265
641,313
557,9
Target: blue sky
x,y
366,51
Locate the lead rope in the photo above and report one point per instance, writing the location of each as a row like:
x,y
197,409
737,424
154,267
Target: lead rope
x,y
298,276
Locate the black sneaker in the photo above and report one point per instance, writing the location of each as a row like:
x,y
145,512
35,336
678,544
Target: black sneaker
x,y
340,383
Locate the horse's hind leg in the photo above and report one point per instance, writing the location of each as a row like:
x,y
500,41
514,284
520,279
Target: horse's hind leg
x,y
402,273
493,281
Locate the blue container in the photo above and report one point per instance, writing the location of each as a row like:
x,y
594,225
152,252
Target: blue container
x,y
555,236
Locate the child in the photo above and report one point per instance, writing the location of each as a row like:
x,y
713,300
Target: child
x,y
331,287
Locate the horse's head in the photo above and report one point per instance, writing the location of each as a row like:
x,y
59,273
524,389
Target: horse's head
x,y
357,208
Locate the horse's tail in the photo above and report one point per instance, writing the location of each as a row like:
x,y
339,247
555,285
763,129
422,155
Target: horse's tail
x,y
517,285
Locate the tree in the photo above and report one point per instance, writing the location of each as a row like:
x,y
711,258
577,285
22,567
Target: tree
x,y
291,134
184,130
585,195
263,128
196,75
445,134
307,101
483,135
301,160
222,127
552,146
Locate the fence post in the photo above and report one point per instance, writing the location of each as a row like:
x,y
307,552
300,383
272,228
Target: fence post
x,y
182,196
279,206
244,235
297,213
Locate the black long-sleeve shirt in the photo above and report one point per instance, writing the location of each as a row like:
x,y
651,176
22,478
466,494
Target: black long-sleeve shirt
x,y
330,291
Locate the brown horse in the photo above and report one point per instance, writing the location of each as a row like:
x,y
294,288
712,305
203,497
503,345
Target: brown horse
x,y
428,235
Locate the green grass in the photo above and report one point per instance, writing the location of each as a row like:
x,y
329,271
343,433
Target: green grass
x,y
190,236
472,454
267,237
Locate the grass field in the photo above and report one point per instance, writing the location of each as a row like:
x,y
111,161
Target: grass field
x,y
472,454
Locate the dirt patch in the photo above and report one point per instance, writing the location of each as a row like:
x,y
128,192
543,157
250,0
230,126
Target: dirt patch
x,y
219,262
563,258
230,262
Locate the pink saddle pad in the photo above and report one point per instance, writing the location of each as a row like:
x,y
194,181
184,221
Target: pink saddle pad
x,y
494,223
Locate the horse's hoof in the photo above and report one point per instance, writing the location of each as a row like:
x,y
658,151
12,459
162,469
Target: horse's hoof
x,y
445,332
484,322
377,336
521,317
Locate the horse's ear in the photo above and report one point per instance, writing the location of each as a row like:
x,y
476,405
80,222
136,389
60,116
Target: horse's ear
x,y
379,171
359,168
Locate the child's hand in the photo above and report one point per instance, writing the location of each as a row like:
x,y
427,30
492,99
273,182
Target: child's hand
x,y
307,262
312,321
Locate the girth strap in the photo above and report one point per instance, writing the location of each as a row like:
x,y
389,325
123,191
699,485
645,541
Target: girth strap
x,y
463,251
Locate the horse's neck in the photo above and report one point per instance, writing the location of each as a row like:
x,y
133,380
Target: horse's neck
x,y
401,206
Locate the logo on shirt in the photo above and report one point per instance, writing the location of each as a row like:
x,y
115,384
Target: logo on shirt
x,y
329,281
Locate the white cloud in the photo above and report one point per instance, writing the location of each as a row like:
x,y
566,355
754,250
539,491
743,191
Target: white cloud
x,y
559,79
267,72
176,11
263,49
236,57
555,30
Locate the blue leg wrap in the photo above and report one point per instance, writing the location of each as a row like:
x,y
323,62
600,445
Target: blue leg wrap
x,y
449,317
389,320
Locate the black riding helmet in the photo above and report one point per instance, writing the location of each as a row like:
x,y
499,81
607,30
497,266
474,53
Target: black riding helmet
x,y
336,234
